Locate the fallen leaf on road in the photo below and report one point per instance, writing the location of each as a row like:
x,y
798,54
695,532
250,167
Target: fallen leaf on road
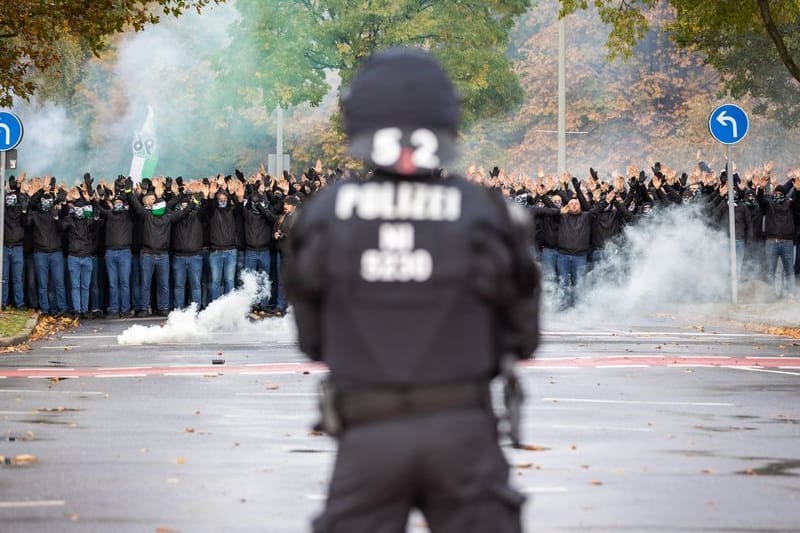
x,y
181,460
534,448
271,386
573,447
74,517
189,430
316,434
524,465
166,530
707,471
595,482
23,459
750,472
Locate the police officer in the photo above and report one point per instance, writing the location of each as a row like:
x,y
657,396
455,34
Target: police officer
x,y
410,289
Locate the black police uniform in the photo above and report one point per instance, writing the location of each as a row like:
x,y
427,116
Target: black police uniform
x,y
395,304
411,289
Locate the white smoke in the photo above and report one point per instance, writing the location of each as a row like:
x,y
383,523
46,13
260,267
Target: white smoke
x,y
672,257
227,314
49,136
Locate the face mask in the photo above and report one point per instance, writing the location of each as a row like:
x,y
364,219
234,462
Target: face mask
x,y
182,206
646,210
779,198
87,211
47,203
159,208
118,207
750,202
222,203
11,200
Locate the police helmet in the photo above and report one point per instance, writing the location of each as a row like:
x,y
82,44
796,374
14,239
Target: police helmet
x,y
402,112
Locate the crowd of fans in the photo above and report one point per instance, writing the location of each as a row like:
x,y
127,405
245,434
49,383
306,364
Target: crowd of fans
x,y
576,219
127,249
134,249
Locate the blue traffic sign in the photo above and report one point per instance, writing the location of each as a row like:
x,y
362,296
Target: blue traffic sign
x,y
10,131
728,124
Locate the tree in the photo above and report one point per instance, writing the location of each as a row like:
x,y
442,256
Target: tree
x,y
33,34
754,44
285,51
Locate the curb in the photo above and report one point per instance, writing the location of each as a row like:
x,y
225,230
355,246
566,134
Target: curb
x,y
22,336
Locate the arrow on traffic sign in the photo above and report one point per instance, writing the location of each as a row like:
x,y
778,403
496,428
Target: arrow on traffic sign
x,y
725,119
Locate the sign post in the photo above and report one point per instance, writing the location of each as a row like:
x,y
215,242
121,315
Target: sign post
x,y
10,136
729,125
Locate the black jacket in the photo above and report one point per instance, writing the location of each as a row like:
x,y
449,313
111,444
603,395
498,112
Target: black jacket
x,y
741,217
13,228
46,230
80,235
187,234
118,227
156,230
778,218
221,224
431,295
608,223
258,221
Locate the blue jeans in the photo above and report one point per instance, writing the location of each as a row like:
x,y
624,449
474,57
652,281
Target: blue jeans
x,y
136,281
50,267
31,291
118,267
223,270
740,245
14,260
281,264
549,261
783,250
239,266
571,275
96,291
184,266
160,264
257,262
80,275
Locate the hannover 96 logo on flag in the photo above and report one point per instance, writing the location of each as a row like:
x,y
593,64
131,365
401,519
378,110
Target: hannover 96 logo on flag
x,y
145,150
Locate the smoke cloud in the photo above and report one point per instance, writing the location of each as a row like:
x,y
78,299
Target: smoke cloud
x,y
227,314
671,261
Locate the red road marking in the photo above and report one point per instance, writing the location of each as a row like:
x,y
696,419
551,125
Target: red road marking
x,y
270,368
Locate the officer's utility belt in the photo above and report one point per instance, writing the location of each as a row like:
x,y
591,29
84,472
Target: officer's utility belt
x,y
372,404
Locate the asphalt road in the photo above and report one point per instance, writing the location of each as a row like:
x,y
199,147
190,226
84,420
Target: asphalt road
x,y
650,426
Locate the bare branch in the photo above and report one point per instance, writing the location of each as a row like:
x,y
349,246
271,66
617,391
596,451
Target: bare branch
x,y
777,38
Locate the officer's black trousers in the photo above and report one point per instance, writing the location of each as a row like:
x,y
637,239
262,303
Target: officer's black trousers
x,y
446,464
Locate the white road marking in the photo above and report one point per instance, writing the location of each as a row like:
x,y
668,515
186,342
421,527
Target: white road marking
x,y
651,334
752,369
188,374
637,402
316,497
544,490
686,365
89,336
50,391
121,376
65,348
594,428
277,394
44,369
123,368
32,503
621,366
